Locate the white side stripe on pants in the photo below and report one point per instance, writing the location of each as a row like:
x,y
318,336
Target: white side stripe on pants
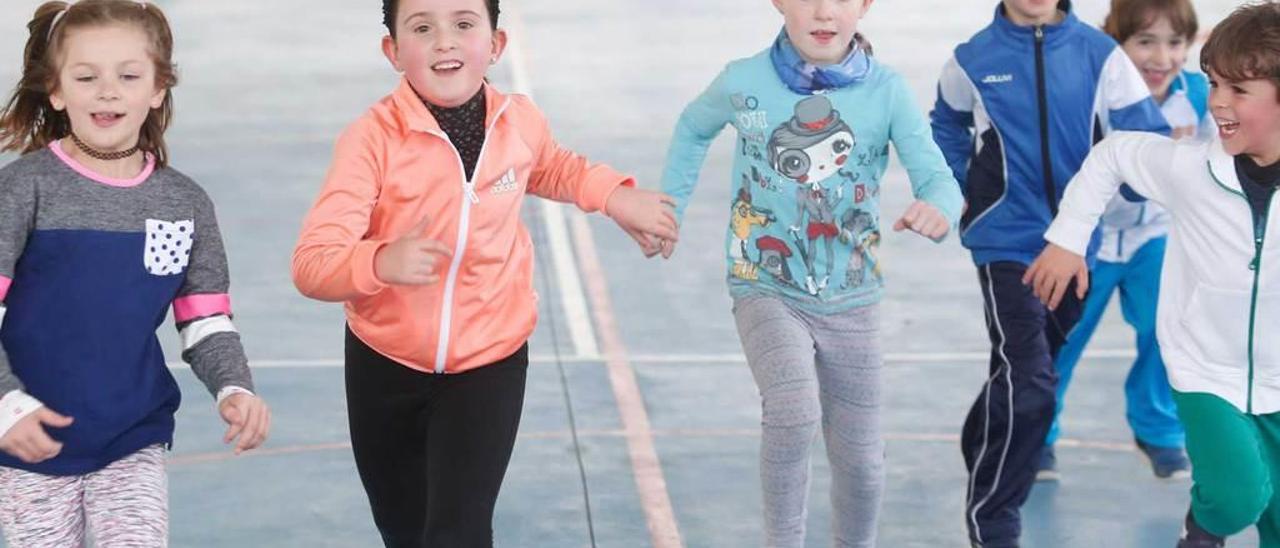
x,y
1007,369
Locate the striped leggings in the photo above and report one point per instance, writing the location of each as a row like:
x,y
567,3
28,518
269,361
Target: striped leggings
x,y
125,504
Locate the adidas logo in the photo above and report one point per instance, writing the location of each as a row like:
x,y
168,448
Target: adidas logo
x,y
997,79
507,183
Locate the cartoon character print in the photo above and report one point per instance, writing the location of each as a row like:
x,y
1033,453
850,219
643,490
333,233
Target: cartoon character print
x,y
773,257
808,149
742,219
858,227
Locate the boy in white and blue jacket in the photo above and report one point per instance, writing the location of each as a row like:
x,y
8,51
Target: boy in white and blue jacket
x,y
1018,108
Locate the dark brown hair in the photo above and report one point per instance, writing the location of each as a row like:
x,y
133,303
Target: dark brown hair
x,y
389,8
1129,17
1245,45
29,122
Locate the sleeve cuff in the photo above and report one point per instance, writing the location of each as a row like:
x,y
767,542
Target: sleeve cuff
x,y
363,274
14,406
1070,234
228,391
601,188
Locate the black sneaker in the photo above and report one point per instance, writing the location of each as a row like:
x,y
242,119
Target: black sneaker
x,y
1047,466
1169,463
1195,537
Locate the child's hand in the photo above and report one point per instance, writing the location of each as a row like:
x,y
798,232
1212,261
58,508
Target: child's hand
x,y
925,220
645,215
27,439
247,416
1052,272
648,245
668,247
411,260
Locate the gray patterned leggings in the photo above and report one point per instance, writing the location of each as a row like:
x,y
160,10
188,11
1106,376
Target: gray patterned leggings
x,y
125,504
811,368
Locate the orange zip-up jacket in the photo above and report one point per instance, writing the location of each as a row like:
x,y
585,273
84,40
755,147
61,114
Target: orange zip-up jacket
x,y
394,167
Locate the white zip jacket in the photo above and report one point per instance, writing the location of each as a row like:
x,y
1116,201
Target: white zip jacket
x,y
1127,226
1220,290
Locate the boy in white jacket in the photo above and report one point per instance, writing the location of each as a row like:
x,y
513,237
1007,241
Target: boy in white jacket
x,y
1220,290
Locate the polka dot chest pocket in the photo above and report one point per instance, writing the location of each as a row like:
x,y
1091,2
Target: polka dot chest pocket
x,y
168,246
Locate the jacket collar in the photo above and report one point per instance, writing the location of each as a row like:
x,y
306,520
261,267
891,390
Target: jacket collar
x,y
1222,167
415,115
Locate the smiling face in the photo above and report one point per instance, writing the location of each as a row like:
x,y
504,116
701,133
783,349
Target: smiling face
x,y
444,48
1248,117
822,30
106,85
1159,52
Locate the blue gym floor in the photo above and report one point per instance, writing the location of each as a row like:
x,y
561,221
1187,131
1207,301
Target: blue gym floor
x,y
642,352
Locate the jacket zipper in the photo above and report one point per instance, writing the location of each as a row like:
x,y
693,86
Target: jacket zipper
x,y
469,198
1050,189
1259,236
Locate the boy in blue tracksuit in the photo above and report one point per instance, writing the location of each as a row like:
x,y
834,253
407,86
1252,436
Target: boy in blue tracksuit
x,y
1019,106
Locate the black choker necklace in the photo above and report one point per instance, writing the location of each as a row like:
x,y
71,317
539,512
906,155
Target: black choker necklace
x,y
104,156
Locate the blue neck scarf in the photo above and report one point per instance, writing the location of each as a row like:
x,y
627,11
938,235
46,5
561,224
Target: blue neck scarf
x,y
806,78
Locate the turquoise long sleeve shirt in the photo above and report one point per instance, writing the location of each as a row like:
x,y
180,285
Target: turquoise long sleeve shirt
x,y
805,217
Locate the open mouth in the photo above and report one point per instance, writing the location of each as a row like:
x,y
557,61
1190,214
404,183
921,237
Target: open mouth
x,y
447,67
1155,75
823,36
1227,128
106,119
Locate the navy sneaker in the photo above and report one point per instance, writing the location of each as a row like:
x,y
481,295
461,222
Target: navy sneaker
x,y
1195,537
1047,466
1170,463
1008,544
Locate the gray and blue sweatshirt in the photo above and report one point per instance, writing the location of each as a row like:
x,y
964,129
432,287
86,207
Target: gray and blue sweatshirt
x,y
89,267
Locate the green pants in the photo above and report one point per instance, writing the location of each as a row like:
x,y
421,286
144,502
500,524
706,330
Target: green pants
x,y
1235,459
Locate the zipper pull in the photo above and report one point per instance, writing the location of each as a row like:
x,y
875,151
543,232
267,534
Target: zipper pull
x,y
1039,33
1253,265
470,189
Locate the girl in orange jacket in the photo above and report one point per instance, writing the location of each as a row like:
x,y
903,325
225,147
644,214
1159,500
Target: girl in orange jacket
x,y
417,230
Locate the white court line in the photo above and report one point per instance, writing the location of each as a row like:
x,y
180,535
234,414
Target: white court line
x,y
570,284
572,296
943,358
182,459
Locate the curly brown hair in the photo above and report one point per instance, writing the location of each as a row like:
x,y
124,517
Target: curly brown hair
x,y
1245,45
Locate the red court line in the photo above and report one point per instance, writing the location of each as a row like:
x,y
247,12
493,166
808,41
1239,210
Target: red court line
x,y
647,469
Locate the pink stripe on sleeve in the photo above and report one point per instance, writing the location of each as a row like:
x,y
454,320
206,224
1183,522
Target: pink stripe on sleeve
x,y
200,306
4,287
